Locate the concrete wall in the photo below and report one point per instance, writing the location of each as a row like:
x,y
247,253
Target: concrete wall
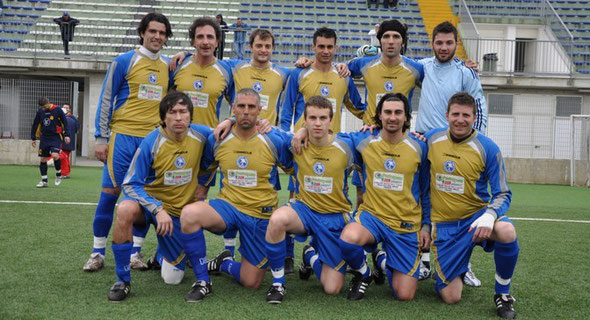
x,y
18,152
545,171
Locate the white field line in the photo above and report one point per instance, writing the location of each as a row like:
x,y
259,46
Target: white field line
x,y
93,204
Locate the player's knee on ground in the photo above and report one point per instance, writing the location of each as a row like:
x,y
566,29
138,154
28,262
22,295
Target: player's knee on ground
x,y
406,294
251,282
170,273
332,287
451,294
505,231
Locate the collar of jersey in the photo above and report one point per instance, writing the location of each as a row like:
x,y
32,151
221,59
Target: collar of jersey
x,y
149,54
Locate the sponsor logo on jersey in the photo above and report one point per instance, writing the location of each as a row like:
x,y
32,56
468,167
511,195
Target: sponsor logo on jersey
x,y
319,168
449,166
325,91
242,162
180,162
46,121
257,87
388,86
153,78
389,164
198,84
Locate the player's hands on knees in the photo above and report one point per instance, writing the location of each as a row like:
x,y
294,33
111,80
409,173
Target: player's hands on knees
x,y
424,240
176,59
101,151
343,70
34,143
165,225
299,140
263,126
483,227
370,128
303,62
222,129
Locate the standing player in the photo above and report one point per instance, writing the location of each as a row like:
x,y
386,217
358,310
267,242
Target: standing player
x,y
49,126
445,75
320,207
160,182
463,164
72,128
127,111
321,78
396,207
248,163
204,78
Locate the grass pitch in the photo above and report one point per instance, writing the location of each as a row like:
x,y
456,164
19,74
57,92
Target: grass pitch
x,y
43,248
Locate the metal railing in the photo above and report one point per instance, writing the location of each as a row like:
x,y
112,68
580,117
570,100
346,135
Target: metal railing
x,y
527,57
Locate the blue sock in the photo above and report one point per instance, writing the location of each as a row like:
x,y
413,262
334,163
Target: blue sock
x,y
275,252
139,234
354,255
505,257
229,240
232,268
122,253
290,245
103,219
316,265
43,169
196,251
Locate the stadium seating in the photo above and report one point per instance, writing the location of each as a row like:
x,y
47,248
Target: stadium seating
x,y
17,19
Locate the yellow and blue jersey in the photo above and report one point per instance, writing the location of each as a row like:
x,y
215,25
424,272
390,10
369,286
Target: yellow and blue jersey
x,y
268,82
49,124
206,86
134,85
249,175
322,175
381,79
460,174
164,172
396,180
308,82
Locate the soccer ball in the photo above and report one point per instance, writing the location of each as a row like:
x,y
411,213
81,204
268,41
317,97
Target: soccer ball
x,y
367,50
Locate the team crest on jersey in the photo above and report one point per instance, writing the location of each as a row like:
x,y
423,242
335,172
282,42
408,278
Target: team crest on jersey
x,y
388,86
153,78
257,87
319,168
389,164
449,166
198,84
242,162
179,162
46,121
325,91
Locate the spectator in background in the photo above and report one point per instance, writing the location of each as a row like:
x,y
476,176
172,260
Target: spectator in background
x,y
221,45
66,26
373,34
370,2
391,3
1,7
240,38
72,127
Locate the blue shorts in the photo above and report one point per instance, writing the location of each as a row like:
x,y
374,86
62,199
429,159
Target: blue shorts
x,y
121,151
452,246
252,231
292,184
170,247
326,230
403,252
49,146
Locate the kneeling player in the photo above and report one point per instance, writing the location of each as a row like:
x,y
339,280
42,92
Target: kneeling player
x,y
248,162
161,180
396,202
463,164
320,207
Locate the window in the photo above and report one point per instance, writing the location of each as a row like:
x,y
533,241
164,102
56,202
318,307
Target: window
x,y
500,103
565,106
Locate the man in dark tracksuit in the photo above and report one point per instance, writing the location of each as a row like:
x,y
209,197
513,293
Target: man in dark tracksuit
x,y
66,27
66,148
49,126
